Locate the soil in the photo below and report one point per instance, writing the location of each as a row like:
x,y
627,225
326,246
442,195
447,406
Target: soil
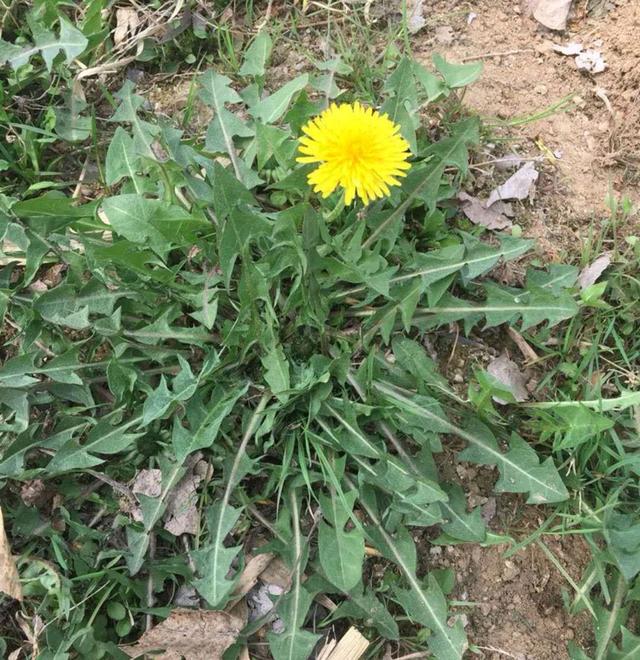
x,y
516,603
592,145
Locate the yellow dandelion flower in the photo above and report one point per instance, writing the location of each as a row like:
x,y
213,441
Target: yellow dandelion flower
x,y
358,149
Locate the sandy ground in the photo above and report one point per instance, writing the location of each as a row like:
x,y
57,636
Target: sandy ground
x,y
592,146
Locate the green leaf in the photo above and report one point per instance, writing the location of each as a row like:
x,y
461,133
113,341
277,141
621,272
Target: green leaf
x,y
435,88
457,75
228,192
294,643
222,129
520,470
429,608
103,440
426,607
152,510
184,386
458,522
61,306
453,150
122,159
555,278
413,358
160,330
271,108
144,132
185,442
242,227
216,90
51,205
214,560
622,533
277,372
629,647
149,221
349,436
364,605
63,368
577,424
501,306
534,306
71,125
70,41
257,55
341,552
401,82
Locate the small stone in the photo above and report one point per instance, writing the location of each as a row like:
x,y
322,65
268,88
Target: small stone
x,y
511,571
540,89
458,378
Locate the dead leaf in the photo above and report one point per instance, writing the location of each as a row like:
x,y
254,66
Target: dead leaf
x,y
415,18
148,482
508,374
517,186
182,515
189,634
277,573
591,273
252,571
34,492
553,14
127,22
571,48
475,210
9,579
591,61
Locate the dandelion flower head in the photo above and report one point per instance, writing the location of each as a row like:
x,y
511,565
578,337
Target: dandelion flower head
x,y
357,148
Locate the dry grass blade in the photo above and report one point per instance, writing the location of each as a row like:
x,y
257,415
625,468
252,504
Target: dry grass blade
x,y
9,579
252,571
351,647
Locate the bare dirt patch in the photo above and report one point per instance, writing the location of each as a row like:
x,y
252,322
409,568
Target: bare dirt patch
x,y
591,145
518,611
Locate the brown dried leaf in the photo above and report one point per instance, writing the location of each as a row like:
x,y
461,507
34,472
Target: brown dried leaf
x,y
517,186
252,571
277,573
148,482
127,22
189,634
415,18
475,210
591,274
507,372
182,515
9,579
552,14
